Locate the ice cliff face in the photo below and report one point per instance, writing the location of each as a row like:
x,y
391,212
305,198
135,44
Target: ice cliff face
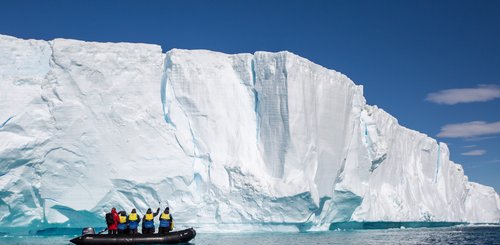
x,y
268,141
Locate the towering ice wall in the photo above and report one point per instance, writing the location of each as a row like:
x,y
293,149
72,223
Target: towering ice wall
x,y
268,141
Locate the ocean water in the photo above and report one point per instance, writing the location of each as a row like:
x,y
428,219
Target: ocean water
x,y
446,235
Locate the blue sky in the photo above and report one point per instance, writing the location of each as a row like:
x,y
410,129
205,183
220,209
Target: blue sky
x,y
434,65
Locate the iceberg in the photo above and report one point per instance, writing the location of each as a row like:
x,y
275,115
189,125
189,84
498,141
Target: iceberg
x,y
243,142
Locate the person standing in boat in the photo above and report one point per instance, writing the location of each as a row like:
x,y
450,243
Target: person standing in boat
x,y
112,221
133,222
122,223
166,222
148,223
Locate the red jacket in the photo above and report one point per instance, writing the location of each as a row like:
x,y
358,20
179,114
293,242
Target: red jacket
x,y
116,218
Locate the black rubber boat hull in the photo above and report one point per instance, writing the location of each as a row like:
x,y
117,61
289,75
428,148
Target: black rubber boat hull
x,y
174,237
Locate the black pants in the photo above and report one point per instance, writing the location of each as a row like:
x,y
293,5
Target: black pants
x,y
112,232
163,230
148,230
132,231
122,231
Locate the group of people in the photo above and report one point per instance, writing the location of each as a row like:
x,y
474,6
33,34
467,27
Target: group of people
x,y
121,223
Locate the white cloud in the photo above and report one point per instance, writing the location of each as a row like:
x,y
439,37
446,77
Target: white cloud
x,y
482,164
473,139
469,146
465,95
474,153
469,129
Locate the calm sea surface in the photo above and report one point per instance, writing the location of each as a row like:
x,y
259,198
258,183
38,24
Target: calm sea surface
x,y
449,235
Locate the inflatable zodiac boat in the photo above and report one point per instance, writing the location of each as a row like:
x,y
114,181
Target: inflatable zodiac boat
x,y
182,236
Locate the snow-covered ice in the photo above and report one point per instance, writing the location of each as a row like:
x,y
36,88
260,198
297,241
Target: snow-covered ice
x,y
264,141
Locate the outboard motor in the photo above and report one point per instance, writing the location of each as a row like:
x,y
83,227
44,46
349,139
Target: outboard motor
x,y
88,231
